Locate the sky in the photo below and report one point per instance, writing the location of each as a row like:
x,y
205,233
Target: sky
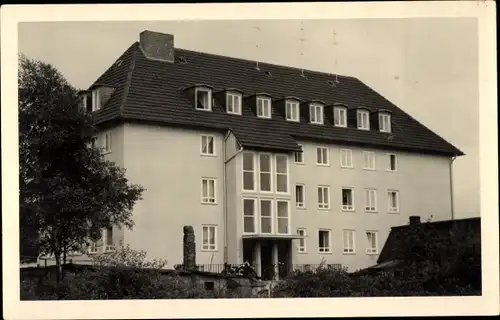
x,y
426,66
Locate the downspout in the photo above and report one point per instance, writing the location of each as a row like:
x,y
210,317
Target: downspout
x,y
451,189
224,178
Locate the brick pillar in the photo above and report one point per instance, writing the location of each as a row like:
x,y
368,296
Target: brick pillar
x,y
189,249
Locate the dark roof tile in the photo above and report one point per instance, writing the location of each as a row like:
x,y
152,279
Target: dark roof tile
x,y
150,90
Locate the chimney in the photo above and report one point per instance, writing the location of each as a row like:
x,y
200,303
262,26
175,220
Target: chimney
x,y
157,46
189,249
414,220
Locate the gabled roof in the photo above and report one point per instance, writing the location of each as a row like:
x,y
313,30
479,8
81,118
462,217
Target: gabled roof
x,y
152,91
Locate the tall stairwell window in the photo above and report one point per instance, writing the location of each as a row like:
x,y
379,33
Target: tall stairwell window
x,y
363,118
233,103
316,113
263,107
248,171
281,174
96,100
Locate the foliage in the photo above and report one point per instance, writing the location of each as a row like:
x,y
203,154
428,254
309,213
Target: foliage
x,y
68,191
125,275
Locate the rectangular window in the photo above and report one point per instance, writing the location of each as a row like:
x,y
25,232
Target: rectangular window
x,y
370,200
208,190
109,245
266,216
393,164
322,157
107,142
300,197
248,171
209,238
249,216
368,160
324,241
393,201
299,155
301,247
283,216
233,103
372,242
363,118
292,111
323,197
346,158
384,121
265,172
348,237
263,107
347,199
281,173
203,99
207,145
316,113
340,117
96,100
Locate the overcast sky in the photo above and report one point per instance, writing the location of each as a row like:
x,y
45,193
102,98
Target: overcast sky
x,y
427,67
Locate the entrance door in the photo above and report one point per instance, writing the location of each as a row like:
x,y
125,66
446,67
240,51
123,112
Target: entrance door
x,y
284,258
266,252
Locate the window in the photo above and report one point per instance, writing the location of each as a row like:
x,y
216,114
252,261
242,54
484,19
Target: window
x,y
292,111
209,285
233,103
393,164
324,241
370,200
299,155
281,173
203,99
384,120
248,171
322,156
393,201
208,190
323,197
316,113
300,197
363,118
348,241
249,216
109,245
340,117
263,107
207,145
96,100
302,242
346,158
283,216
209,238
368,160
347,199
107,142
266,214
265,172
372,242
92,247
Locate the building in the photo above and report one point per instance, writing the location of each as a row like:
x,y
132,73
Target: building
x,y
270,164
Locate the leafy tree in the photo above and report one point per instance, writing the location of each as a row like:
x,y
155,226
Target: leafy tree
x,y
68,191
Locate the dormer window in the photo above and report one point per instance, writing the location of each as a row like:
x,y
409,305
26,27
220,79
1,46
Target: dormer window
x,y
263,107
340,116
292,111
96,99
384,120
233,103
363,117
316,113
203,99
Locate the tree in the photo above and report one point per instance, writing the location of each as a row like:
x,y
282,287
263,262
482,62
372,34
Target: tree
x,y
68,191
